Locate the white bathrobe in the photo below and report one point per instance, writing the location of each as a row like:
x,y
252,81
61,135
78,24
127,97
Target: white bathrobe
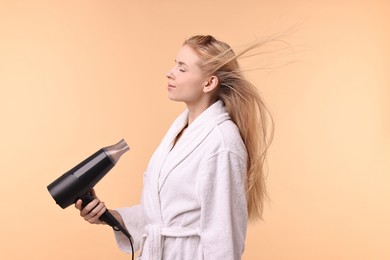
x,y
193,203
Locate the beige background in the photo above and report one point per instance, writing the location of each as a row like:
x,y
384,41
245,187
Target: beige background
x,y
79,75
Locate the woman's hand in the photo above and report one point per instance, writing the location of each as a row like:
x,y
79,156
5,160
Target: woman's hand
x,y
93,210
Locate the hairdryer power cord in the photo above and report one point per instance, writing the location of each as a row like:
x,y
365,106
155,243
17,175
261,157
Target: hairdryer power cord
x,y
127,234
110,220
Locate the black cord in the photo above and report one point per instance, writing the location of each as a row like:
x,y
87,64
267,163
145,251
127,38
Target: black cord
x,y
127,234
109,219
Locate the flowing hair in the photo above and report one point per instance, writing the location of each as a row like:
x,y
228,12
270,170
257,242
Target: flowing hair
x,y
245,107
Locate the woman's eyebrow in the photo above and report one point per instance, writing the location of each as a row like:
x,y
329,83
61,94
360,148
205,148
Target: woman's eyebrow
x,y
180,63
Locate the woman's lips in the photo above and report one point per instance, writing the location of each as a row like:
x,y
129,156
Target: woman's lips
x,y
171,86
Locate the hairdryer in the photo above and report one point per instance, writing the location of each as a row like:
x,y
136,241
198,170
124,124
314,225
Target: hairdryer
x,y
78,182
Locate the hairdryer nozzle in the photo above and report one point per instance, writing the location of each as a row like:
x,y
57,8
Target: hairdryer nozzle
x,y
114,152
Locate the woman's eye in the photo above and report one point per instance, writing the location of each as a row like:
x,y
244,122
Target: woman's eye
x,y
181,69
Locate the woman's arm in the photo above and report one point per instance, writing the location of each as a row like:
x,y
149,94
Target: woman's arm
x,y
223,206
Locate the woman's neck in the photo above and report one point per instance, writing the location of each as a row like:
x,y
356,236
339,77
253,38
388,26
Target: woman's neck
x,y
194,110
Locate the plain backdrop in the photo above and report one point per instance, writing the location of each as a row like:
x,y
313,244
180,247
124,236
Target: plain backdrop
x,y
79,75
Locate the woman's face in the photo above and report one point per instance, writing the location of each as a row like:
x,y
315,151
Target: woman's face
x,y
186,79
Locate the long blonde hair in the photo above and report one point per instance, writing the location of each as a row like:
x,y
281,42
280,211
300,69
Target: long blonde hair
x,y
245,107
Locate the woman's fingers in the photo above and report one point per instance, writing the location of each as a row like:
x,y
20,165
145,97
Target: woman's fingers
x,y
90,206
96,213
93,211
78,204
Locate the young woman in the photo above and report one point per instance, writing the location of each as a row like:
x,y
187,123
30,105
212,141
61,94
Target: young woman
x,y
206,178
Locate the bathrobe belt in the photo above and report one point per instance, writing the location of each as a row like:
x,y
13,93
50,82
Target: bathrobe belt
x,y
154,233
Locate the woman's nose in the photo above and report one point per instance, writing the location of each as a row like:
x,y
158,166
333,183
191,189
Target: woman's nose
x,y
170,74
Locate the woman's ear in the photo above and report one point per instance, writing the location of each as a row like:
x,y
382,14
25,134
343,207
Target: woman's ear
x,y
210,84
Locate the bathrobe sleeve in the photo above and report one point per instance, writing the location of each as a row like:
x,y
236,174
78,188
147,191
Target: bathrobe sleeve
x,y
223,206
134,223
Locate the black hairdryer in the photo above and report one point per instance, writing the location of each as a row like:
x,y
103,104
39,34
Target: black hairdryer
x,y
78,182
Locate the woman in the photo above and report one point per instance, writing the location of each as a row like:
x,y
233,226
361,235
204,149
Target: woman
x,y
206,177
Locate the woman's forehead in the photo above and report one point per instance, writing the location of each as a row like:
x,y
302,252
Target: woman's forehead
x,y
187,56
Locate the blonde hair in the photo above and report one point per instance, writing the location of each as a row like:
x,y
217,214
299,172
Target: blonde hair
x,y
245,107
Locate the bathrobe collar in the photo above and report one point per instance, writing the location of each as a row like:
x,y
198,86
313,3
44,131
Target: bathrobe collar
x,y
193,136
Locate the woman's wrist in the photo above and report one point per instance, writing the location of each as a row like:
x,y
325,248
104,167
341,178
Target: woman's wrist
x,y
116,215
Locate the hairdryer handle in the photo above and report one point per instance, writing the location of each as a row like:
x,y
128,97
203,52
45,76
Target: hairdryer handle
x,y
107,217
